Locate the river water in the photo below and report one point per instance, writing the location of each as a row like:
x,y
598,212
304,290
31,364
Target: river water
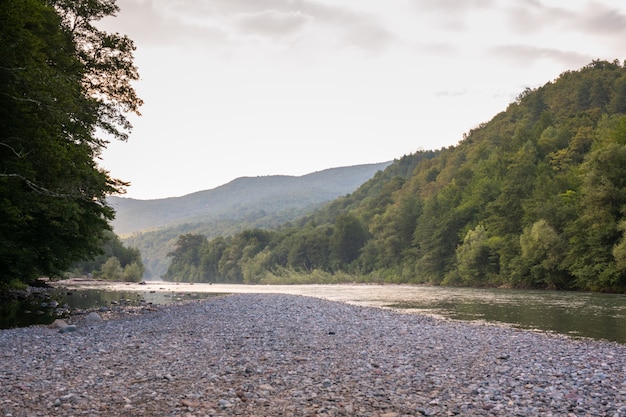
x,y
599,316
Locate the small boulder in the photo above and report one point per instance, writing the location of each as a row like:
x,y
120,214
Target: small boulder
x,y
58,324
67,329
93,318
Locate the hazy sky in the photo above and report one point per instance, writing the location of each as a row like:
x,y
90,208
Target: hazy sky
x,y
259,87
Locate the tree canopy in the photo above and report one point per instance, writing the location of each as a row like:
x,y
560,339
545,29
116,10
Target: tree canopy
x,y
535,198
65,88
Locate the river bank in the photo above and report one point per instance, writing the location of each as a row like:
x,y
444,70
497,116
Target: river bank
x,y
271,355
577,314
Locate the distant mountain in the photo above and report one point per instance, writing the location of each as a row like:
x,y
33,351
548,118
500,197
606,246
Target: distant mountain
x,y
153,226
241,198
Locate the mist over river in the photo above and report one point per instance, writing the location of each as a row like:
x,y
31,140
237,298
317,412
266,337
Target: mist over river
x,y
578,314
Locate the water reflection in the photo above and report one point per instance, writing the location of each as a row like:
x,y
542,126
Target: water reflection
x,y
62,302
599,316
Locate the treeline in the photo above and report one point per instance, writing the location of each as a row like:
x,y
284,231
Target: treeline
x,y
116,262
156,244
66,89
535,198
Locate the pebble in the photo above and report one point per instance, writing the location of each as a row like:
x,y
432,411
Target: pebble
x,y
274,355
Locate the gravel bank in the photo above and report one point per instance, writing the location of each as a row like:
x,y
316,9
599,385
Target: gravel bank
x,y
285,355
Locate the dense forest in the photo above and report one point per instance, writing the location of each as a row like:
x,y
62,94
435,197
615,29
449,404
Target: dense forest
x,y
116,262
153,226
535,198
65,92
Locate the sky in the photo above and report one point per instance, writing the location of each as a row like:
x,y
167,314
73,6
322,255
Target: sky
x,y
237,88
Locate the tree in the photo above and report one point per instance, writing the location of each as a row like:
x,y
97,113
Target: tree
x,y
474,259
112,270
61,82
349,236
133,272
540,262
128,258
186,259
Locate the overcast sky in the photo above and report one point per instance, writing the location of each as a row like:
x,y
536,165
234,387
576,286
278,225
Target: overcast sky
x,y
260,87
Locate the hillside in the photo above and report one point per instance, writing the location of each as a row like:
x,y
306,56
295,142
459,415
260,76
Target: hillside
x,y
534,198
153,226
241,198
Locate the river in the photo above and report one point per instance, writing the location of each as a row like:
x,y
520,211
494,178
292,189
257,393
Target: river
x,y
598,316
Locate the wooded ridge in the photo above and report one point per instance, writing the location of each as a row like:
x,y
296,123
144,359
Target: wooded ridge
x,y
534,198
241,197
153,226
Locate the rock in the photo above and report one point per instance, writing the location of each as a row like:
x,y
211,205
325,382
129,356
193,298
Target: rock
x,y
58,324
93,318
190,403
247,355
68,328
224,403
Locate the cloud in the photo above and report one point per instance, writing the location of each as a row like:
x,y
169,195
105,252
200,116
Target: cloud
x,y
527,54
452,6
272,23
532,16
452,93
224,22
149,22
595,18
601,19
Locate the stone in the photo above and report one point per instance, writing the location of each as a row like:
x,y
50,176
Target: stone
x,y
256,354
224,403
190,403
68,328
93,318
58,324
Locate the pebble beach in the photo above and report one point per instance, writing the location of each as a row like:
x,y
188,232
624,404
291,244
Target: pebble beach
x,y
290,355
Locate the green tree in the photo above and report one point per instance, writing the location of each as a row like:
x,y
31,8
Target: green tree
x,y
112,248
61,82
474,260
133,272
310,249
349,236
112,270
541,260
186,259
596,231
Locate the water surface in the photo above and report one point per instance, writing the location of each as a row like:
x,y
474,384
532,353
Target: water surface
x,y
598,316
61,302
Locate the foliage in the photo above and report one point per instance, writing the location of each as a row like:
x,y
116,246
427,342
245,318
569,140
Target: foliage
x,y
116,262
61,82
245,203
267,200
535,198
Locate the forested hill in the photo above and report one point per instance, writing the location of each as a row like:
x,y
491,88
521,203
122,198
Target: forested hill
x,y
242,198
536,197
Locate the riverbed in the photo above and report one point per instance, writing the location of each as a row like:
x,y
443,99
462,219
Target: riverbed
x,y
288,355
576,314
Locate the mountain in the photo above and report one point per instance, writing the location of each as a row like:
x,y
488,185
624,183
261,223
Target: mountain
x,y
153,226
241,198
533,198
